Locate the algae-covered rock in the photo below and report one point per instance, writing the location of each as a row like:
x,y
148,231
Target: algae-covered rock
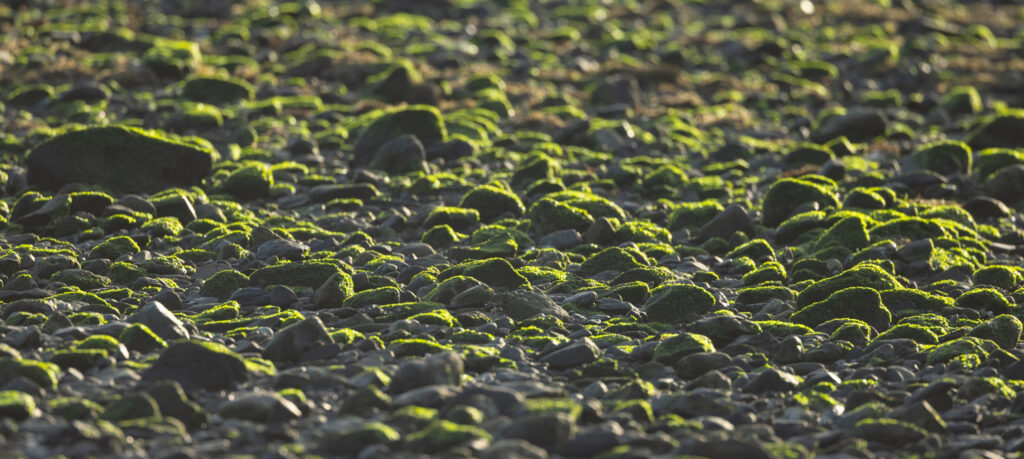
x,y
945,157
199,365
852,330
441,435
310,274
1005,330
172,58
984,299
80,359
977,386
90,201
524,304
610,259
768,272
857,126
222,284
1004,277
114,248
1002,130
495,272
1007,184
449,288
853,302
401,155
693,215
378,296
251,181
83,279
959,347
424,122
673,303
850,233
787,195
289,344
333,291
133,406
755,249
120,158
356,438
492,202
918,333
17,405
992,160
44,374
549,215
217,90
138,337
458,218
862,275
670,350
915,300
963,99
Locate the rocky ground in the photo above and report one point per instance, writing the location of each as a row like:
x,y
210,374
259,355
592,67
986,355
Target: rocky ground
x,y
558,228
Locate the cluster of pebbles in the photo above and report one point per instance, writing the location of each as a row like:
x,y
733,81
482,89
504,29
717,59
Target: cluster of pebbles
x,y
511,228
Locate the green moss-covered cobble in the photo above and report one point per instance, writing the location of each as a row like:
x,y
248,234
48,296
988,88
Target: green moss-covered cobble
x,y
519,228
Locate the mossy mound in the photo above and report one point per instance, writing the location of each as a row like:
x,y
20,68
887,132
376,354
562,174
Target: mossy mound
x,y
310,274
673,303
423,121
222,284
492,202
860,303
914,300
253,180
114,248
984,299
1002,130
375,296
863,275
787,195
549,215
1004,330
217,90
120,158
495,272
673,348
944,157
16,405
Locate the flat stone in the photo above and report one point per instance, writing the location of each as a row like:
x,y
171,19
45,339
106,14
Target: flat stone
x,y
523,304
160,320
289,344
573,355
734,218
281,248
858,126
444,368
772,380
562,239
261,407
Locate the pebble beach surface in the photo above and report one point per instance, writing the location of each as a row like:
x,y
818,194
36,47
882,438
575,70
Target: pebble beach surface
x,y
511,229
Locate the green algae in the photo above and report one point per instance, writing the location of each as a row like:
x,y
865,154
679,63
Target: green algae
x,y
862,275
786,195
672,303
853,302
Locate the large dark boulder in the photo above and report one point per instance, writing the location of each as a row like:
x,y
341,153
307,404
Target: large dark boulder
x,y
120,158
198,366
